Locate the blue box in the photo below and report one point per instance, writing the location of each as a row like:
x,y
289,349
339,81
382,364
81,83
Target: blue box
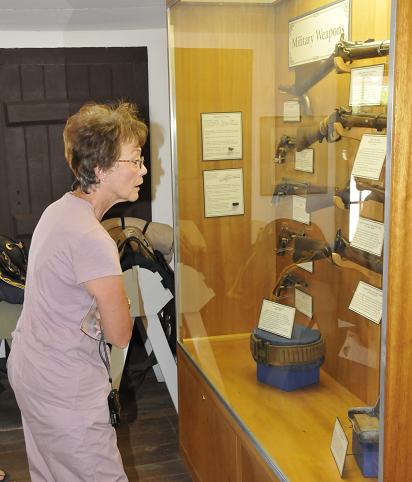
x,y
288,378
366,455
288,363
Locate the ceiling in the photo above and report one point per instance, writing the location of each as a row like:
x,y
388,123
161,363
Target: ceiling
x,y
82,14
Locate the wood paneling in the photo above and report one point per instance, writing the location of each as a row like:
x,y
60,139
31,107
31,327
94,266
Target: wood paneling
x,y
398,374
294,429
208,80
207,441
214,447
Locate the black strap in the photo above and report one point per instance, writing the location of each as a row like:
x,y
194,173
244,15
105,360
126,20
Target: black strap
x,y
145,227
122,221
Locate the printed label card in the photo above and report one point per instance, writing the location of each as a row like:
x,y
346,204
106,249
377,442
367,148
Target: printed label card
x,y
367,301
304,303
299,210
223,192
366,85
369,236
308,266
304,160
370,156
291,111
339,446
276,318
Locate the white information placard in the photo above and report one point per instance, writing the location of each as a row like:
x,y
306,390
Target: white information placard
x,y
366,85
339,446
304,303
221,135
308,266
369,236
370,156
304,160
367,301
277,318
299,210
313,36
223,192
291,111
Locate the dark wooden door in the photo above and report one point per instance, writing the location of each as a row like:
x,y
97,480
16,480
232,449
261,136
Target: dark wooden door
x,y
39,89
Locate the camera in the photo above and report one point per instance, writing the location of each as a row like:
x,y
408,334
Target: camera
x,y
114,407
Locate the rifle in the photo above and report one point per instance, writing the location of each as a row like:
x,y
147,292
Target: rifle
x,y
370,261
341,197
309,249
345,52
285,144
286,188
306,136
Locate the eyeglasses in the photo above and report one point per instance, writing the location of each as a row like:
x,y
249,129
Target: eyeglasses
x,y
137,162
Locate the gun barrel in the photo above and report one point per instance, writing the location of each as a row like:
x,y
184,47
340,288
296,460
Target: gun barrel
x,y
361,50
378,122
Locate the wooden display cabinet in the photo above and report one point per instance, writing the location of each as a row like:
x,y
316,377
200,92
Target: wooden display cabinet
x,y
228,57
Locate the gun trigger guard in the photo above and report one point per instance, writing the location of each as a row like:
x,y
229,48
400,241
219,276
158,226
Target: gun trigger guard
x,y
341,66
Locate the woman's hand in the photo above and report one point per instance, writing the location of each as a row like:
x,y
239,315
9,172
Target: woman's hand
x,y
113,309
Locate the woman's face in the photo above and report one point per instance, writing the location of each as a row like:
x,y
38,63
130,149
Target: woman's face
x,y
124,179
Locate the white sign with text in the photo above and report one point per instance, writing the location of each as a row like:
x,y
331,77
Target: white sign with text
x,y
276,318
313,36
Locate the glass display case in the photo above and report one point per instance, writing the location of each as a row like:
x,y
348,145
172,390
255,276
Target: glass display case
x,y
280,138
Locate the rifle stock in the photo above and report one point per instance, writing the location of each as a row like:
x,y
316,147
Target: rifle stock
x,y
341,198
345,50
376,193
309,249
306,136
368,260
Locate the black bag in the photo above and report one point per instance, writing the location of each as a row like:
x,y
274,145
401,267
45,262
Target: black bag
x,y
135,250
13,268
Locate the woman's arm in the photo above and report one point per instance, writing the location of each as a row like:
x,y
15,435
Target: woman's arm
x,y
113,307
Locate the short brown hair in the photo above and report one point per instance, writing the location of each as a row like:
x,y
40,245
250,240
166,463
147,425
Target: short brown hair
x,y
93,138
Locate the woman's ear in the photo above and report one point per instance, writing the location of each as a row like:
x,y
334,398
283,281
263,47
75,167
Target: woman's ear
x,y
100,174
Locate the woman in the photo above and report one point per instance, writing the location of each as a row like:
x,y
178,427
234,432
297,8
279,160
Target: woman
x,y
74,296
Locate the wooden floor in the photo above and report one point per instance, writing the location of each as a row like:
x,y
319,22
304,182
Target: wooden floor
x,y
147,437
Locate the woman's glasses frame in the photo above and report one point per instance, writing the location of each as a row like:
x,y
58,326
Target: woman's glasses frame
x,y
137,162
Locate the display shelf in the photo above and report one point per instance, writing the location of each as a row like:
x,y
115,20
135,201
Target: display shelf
x,y
293,429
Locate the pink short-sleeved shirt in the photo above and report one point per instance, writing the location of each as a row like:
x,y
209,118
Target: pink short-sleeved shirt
x,y
57,360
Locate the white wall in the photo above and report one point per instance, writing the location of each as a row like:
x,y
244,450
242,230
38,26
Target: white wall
x,y
156,41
